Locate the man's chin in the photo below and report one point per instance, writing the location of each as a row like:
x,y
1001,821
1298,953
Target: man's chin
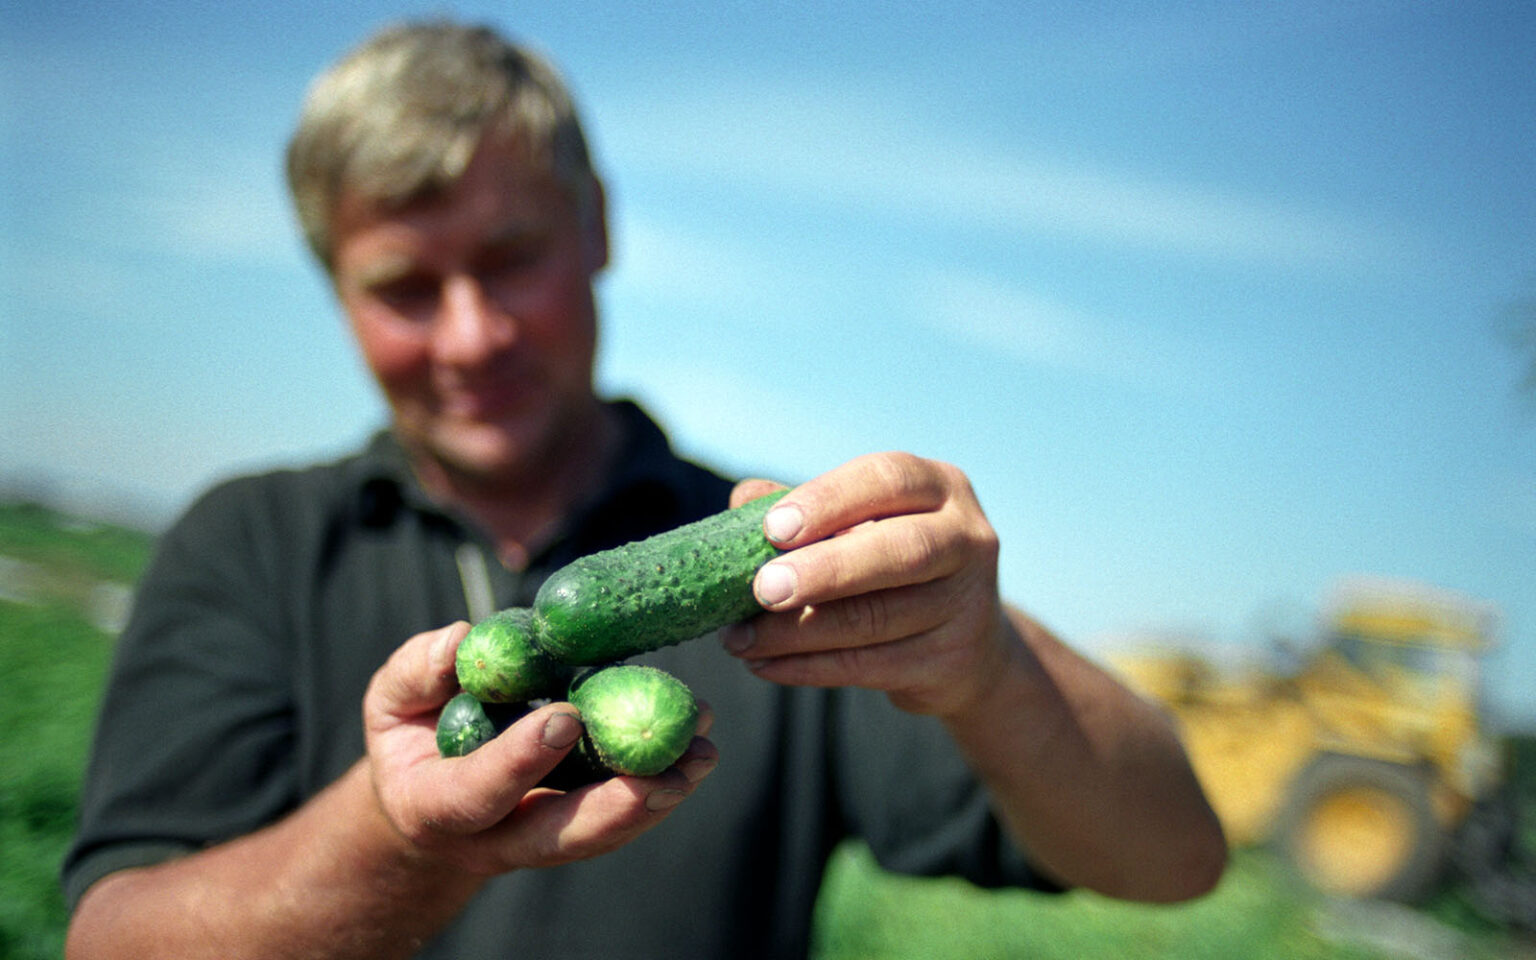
x,y
492,454
486,459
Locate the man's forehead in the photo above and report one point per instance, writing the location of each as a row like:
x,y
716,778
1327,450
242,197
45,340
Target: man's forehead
x,y
515,211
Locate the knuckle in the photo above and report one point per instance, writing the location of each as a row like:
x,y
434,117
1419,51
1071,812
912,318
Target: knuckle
x,y
864,616
894,471
854,662
987,542
918,549
953,476
549,848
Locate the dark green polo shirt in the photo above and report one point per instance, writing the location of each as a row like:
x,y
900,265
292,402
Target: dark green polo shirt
x,y
235,693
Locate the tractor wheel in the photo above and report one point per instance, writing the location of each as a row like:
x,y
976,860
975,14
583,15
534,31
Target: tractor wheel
x,y
1498,872
1362,828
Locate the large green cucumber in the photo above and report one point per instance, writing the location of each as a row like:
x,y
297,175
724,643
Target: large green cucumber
x,y
501,660
639,720
668,588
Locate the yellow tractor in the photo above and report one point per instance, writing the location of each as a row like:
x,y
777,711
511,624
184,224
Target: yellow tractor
x,y
1360,764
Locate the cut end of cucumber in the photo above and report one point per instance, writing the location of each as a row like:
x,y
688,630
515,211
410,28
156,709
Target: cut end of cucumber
x,y
639,719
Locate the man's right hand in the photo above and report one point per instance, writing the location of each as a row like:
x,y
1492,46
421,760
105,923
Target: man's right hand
x,y
483,812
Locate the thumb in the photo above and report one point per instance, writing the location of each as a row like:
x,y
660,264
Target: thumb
x,y
749,490
418,677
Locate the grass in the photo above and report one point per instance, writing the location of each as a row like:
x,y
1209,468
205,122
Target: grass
x,y
71,549
865,913
1257,913
53,661
52,664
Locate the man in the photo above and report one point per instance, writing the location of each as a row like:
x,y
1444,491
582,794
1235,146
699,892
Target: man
x,y
235,806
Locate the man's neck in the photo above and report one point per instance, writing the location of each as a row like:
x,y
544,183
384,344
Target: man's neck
x,y
523,511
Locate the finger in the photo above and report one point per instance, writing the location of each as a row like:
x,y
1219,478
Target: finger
x,y
698,760
876,667
508,767
462,795
866,488
550,828
911,670
898,552
417,678
706,719
864,619
748,490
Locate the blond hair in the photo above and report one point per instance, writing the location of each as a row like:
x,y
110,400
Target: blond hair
x,y
398,118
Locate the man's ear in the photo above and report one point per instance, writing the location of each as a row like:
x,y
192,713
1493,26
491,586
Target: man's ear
x,y
594,226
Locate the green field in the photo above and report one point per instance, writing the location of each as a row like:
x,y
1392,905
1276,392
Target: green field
x,y
55,643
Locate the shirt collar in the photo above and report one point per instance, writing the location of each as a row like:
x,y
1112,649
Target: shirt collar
x,y
646,481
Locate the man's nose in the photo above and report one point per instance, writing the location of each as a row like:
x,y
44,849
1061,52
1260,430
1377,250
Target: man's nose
x,y
470,325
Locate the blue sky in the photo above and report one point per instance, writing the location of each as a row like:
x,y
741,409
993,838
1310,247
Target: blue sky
x,y
1210,300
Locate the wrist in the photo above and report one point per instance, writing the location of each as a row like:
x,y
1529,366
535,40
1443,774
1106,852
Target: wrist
x,y
1013,706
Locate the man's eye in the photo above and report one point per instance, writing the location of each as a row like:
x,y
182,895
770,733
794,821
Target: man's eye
x,y
509,259
407,293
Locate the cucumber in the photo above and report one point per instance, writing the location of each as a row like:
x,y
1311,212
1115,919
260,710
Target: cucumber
x,y
577,769
500,660
464,726
663,590
639,720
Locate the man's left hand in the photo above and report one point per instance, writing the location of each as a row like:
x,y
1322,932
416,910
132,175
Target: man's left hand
x,y
889,582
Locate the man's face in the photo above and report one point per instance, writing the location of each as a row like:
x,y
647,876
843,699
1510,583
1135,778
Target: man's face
x,y
475,312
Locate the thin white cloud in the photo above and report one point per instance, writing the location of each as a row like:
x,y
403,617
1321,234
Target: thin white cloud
x,y
851,149
205,203
145,184
214,201
731,420
70,279
1004,319
663,257
1512,503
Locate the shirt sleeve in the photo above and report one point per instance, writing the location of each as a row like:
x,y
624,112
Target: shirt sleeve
x,y
903,789
194,734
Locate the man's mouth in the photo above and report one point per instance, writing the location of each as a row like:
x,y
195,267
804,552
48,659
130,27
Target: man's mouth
x,y
487,401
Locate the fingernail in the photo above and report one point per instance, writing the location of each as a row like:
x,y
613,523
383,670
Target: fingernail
x,y
783,523
658,800
775,584
561,730
442,652
696,770
737,637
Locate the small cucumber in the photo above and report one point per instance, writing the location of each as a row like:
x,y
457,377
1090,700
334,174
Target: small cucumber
x,y
639,719
465,725
501,661
663,590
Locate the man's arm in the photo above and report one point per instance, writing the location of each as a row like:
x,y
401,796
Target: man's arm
x,y
1089,777
892,584
380,861
332,880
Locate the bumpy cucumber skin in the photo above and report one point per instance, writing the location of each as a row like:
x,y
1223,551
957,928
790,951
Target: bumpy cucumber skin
x,y
639,720
501,660
463,727
657,592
